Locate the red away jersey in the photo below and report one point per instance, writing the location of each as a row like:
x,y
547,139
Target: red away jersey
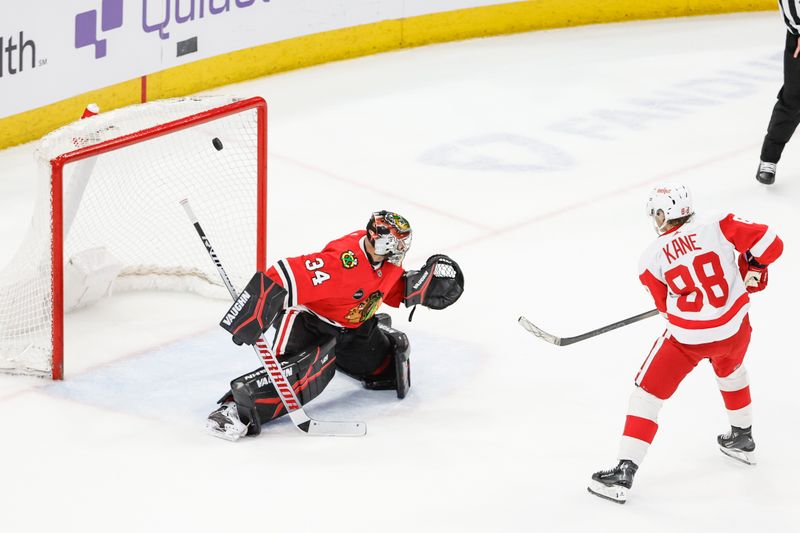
x,y
339,284
693,275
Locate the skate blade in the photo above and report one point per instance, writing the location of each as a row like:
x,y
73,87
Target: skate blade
x,y
748,458
614,493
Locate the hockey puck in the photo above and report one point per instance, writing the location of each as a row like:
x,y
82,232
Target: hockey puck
x,y
217,143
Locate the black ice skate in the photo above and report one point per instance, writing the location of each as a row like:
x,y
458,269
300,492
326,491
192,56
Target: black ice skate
x,y
614,484
738,443
766,173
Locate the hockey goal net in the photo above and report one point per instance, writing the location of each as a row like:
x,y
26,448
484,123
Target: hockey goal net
x,y
107,216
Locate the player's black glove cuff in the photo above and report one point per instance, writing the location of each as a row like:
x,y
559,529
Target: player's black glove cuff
x,y
438,284
752,261
254,310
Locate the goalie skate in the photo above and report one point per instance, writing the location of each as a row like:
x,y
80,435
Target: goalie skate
x,y
225,424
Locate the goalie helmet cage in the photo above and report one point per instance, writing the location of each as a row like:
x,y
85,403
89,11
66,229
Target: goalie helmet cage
x,y
113,182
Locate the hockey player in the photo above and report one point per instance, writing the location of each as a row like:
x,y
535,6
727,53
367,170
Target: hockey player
x,y
700,276
319,310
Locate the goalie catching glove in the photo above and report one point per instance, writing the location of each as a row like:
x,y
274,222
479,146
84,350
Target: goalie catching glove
x,y
254,310
438,284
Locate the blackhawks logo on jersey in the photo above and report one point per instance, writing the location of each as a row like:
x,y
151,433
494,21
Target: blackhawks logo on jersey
x,y
365,309
349,259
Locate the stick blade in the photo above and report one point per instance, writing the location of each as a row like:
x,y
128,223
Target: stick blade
x,y
320,428
538,332
336,429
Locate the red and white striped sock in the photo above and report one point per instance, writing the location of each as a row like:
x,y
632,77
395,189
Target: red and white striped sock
x,y
641,425
735,389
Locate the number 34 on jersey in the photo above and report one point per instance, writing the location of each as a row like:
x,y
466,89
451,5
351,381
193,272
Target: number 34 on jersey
x,y
315,266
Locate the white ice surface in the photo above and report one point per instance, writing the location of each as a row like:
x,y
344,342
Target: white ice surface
x,y
527,158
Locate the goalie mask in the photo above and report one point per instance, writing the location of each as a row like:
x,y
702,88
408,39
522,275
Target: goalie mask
x,y
674,201
390,235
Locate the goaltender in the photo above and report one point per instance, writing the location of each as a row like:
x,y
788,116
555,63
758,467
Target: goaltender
x,y
319,310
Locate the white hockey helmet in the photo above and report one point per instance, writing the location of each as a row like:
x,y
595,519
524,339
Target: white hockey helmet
x,y
675,201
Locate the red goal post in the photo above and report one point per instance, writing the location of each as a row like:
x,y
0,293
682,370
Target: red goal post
x,y
112,198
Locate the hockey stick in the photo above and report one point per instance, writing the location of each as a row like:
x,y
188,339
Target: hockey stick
x,y
564,341
290,401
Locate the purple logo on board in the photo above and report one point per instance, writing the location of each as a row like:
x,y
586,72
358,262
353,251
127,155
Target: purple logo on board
x,y
86,26
165,13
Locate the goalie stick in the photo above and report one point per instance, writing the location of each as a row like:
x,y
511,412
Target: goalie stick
x,y
564,341
287,395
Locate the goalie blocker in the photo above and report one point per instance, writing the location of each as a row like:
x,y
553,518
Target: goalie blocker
x,y
254,310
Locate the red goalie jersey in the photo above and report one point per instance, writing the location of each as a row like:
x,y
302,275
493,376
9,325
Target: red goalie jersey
x,y
339,284
693,276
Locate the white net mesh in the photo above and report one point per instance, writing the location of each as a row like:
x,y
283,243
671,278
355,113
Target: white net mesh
x,y
127,201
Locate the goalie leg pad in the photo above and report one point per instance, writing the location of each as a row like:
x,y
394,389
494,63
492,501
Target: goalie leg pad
x,y
254,310
308,372
402,362
400,354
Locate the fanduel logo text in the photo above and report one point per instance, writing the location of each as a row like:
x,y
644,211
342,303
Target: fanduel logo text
x,y
237,307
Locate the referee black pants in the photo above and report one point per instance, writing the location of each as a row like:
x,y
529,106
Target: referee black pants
x,y
786,113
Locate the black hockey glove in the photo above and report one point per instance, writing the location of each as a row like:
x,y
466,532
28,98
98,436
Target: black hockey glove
x,y
254,310
438,284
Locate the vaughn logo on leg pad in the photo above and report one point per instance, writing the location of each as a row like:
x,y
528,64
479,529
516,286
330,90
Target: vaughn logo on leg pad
x,y
237,307
288,370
